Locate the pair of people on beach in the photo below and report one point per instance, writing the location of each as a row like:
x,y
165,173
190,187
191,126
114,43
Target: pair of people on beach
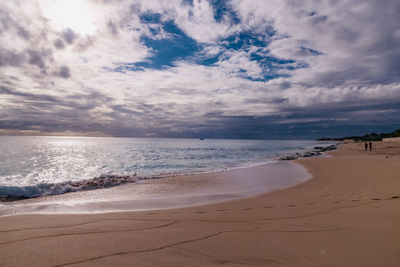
x,y
368,144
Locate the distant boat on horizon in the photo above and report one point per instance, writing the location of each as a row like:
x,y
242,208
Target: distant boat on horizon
x,y
201,138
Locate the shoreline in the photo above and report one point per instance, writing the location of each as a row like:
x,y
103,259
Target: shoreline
x,y
346,215
105,181
189,190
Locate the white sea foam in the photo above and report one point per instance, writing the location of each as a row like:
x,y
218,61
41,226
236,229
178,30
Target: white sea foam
x,y
47,189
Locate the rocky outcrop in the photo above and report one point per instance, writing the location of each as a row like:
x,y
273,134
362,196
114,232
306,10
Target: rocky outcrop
x,y
317,151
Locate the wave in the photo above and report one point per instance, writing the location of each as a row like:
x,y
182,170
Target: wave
x,y
11,193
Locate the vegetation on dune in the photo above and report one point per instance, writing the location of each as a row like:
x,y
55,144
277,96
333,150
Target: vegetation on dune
x,y
366,137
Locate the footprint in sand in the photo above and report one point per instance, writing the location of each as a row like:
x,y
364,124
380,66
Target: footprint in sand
x,y
268,207
375,199
291,205
248,209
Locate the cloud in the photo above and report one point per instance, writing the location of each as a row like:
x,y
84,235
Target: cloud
x,y
196,19
64,72
59,44
113,28
69,36
350,46
11,58
253,69
239,62
37,58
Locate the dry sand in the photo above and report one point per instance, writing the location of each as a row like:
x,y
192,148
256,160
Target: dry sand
x,y
347,215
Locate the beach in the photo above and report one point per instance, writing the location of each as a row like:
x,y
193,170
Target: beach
x,y
346,215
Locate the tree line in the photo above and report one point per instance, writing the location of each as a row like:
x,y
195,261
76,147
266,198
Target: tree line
x,y
365,137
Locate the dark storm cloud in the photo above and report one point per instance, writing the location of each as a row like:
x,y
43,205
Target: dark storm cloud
x,y
23,33
51,114
64,72
69,36
80,102
11,58
28,96
36,58
52,126
302,124
59,44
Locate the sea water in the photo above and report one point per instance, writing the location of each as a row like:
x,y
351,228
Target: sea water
x,y
37,166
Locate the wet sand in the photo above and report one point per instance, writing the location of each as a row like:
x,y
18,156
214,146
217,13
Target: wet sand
x,y
347,215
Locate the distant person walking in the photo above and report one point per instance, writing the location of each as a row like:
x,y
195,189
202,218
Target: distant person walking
x,y
366,146
370,145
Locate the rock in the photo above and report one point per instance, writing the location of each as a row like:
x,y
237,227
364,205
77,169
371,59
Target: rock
x,y
316,152
328,148
292,157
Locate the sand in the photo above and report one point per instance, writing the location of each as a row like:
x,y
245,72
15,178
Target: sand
x,y
346,215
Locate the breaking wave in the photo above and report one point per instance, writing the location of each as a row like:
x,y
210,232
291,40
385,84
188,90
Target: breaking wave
x,y
10,193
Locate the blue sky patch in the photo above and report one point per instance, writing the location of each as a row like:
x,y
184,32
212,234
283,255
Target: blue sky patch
x,y
222,9
178,46
167,51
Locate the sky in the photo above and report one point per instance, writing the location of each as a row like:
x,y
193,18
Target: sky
x,y
254,69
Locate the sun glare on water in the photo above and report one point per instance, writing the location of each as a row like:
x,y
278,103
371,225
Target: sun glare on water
x,y
74,14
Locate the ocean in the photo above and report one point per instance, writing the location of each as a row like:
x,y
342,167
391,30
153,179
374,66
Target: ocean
x,y
41,166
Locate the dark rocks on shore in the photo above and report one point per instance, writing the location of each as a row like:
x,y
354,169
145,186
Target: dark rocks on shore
x,y
316,152
326,148
292,157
